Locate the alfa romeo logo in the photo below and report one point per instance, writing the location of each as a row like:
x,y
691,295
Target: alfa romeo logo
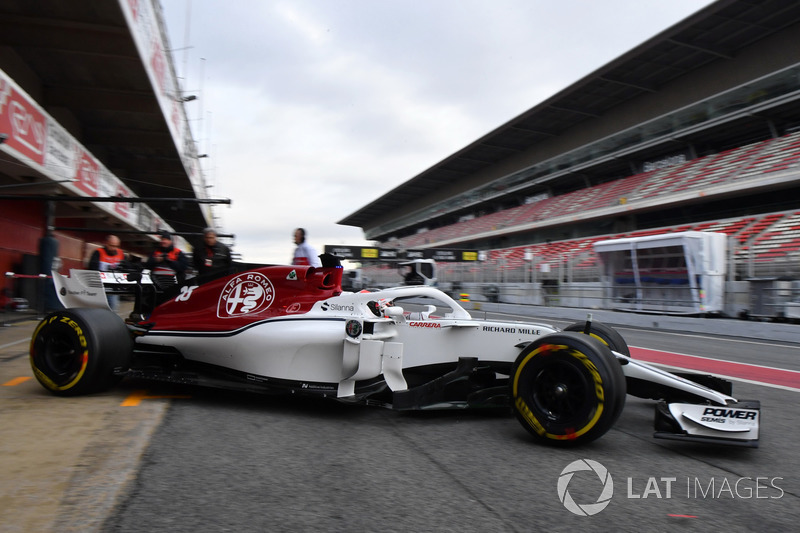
x,y
353,328
245,294
586,509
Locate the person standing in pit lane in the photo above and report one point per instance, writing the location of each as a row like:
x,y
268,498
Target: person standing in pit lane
x,y
304,254
212,256
167,261
107,259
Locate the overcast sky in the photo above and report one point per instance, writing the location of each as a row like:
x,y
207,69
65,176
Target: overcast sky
x,y
311,109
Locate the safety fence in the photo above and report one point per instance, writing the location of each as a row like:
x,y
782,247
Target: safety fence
x,y
586,268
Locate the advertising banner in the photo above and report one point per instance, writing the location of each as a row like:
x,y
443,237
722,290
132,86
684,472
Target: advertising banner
x,y
37,140
22,122
367,253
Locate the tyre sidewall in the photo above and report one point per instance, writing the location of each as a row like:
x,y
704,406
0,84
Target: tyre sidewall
x,y
98,341
598,386
605,334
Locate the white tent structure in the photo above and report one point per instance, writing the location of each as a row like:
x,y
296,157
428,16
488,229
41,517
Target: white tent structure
x,y
674,273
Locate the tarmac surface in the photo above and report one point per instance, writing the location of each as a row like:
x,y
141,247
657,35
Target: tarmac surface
x,y
51,446
57,454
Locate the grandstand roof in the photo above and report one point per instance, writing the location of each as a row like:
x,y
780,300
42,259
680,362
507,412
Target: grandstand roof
x,y
84,69
714,33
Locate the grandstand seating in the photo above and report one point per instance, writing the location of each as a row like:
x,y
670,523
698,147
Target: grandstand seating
x,y
770,235
758,227
666,180
773,235
780,154
781,238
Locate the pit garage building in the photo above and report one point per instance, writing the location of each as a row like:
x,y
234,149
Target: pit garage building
x,y
95,137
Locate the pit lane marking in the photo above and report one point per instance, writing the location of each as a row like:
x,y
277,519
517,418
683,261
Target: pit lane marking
x,y
721,338
16,381
13,343
779,378
136,397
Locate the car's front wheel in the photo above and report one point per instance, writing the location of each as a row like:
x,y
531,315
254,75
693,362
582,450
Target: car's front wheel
x,y
567,388
605,334
75,351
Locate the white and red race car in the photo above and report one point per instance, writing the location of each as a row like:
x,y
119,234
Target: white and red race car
x,y
292,329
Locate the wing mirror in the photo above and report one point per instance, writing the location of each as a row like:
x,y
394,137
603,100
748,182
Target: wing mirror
x,y
393,311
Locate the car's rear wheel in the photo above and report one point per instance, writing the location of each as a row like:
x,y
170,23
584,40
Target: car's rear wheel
x,y
567,389
605,334
76,351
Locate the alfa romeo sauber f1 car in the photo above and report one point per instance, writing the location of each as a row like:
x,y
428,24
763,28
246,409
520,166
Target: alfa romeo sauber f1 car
x,y
291,329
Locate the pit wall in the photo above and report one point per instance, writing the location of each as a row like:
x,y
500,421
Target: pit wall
x,y
742,298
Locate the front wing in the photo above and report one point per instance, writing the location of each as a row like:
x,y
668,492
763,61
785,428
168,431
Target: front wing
x,y
690,411
735,424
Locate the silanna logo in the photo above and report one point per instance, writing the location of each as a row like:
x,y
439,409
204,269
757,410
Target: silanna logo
x,y
328,306
245,294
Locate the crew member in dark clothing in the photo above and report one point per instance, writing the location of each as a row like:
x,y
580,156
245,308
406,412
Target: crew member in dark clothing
x,y
167,261
212,257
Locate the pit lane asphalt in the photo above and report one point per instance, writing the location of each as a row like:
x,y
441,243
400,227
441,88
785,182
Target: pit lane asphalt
x,y
63,461
226,461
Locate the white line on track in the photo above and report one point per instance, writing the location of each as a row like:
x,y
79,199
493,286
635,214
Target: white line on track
x,y
10,344
738,340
